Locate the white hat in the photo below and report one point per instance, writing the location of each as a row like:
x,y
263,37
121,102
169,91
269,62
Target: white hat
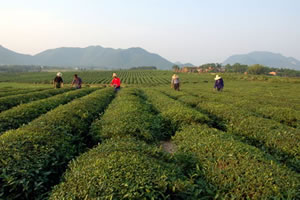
x,y
59,74
114,75
217,77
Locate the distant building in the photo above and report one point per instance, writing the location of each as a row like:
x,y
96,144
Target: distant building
x,y
200,69
273,73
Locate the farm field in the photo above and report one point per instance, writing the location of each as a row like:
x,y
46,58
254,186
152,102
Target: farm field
x,y
148,141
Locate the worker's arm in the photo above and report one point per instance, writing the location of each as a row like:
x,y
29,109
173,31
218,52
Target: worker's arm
x,y
72,83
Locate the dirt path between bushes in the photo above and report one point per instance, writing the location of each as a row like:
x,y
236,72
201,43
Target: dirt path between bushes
x,y
168,146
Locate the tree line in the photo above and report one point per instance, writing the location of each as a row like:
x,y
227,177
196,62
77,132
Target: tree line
x,y
256,69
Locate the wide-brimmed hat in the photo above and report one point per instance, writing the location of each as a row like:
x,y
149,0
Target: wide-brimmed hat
x,y
59,74
114,75
218,77
175,76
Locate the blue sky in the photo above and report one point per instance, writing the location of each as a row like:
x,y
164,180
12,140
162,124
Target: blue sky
x,y
197,31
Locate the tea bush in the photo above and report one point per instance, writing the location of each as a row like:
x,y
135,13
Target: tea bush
x,y
175,112
24,113
125,169
33,157
11,101
280,141
239,171
277,139
286,116
128,114
18,91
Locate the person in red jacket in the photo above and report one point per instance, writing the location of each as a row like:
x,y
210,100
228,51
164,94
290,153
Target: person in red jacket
x,y
116,82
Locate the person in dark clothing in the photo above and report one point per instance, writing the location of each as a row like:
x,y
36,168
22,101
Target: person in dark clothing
x,y
219,83
58,81
175,83
76,82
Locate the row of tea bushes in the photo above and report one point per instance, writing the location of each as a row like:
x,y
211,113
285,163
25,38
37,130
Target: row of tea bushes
x,y
126,168
33,157
280,141
10,89
18,91
24,113
275,109
284,115
140,77
238,170
173,111
193,101
11,101
128,114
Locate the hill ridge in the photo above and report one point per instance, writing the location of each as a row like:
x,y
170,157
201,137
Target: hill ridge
x,y
266,58
90,56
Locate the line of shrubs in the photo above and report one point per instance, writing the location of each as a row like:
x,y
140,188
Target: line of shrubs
x,y
128,114
124,167
33,157
279,108
284,115
238,170
193,101
24,113
4,93
10,89
11,101
256,96
281,111
127,168
273,137
175,112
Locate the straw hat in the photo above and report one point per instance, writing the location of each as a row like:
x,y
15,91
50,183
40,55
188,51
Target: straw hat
x,y
59,74
217,77
175,76
114,75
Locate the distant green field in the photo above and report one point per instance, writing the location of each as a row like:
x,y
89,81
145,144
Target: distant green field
x,y
149,141
147,78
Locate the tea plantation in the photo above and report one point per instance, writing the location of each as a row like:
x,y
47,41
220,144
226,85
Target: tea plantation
x,y
149,141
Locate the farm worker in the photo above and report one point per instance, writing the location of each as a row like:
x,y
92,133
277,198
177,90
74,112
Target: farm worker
x,y
219,83
58,81
77,82
175,83
116,82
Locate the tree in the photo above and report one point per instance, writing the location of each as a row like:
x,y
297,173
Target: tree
x,y
175,68
237,68
257,69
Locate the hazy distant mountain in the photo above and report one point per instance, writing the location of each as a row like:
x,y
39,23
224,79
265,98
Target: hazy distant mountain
x,y
184,64
265,58
92,56
9,57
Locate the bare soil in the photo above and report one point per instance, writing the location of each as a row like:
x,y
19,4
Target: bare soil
x,y
168,146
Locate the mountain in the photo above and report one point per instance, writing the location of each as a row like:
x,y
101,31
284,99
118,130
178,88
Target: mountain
x,y
92,56
9,57
264,58
184,64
